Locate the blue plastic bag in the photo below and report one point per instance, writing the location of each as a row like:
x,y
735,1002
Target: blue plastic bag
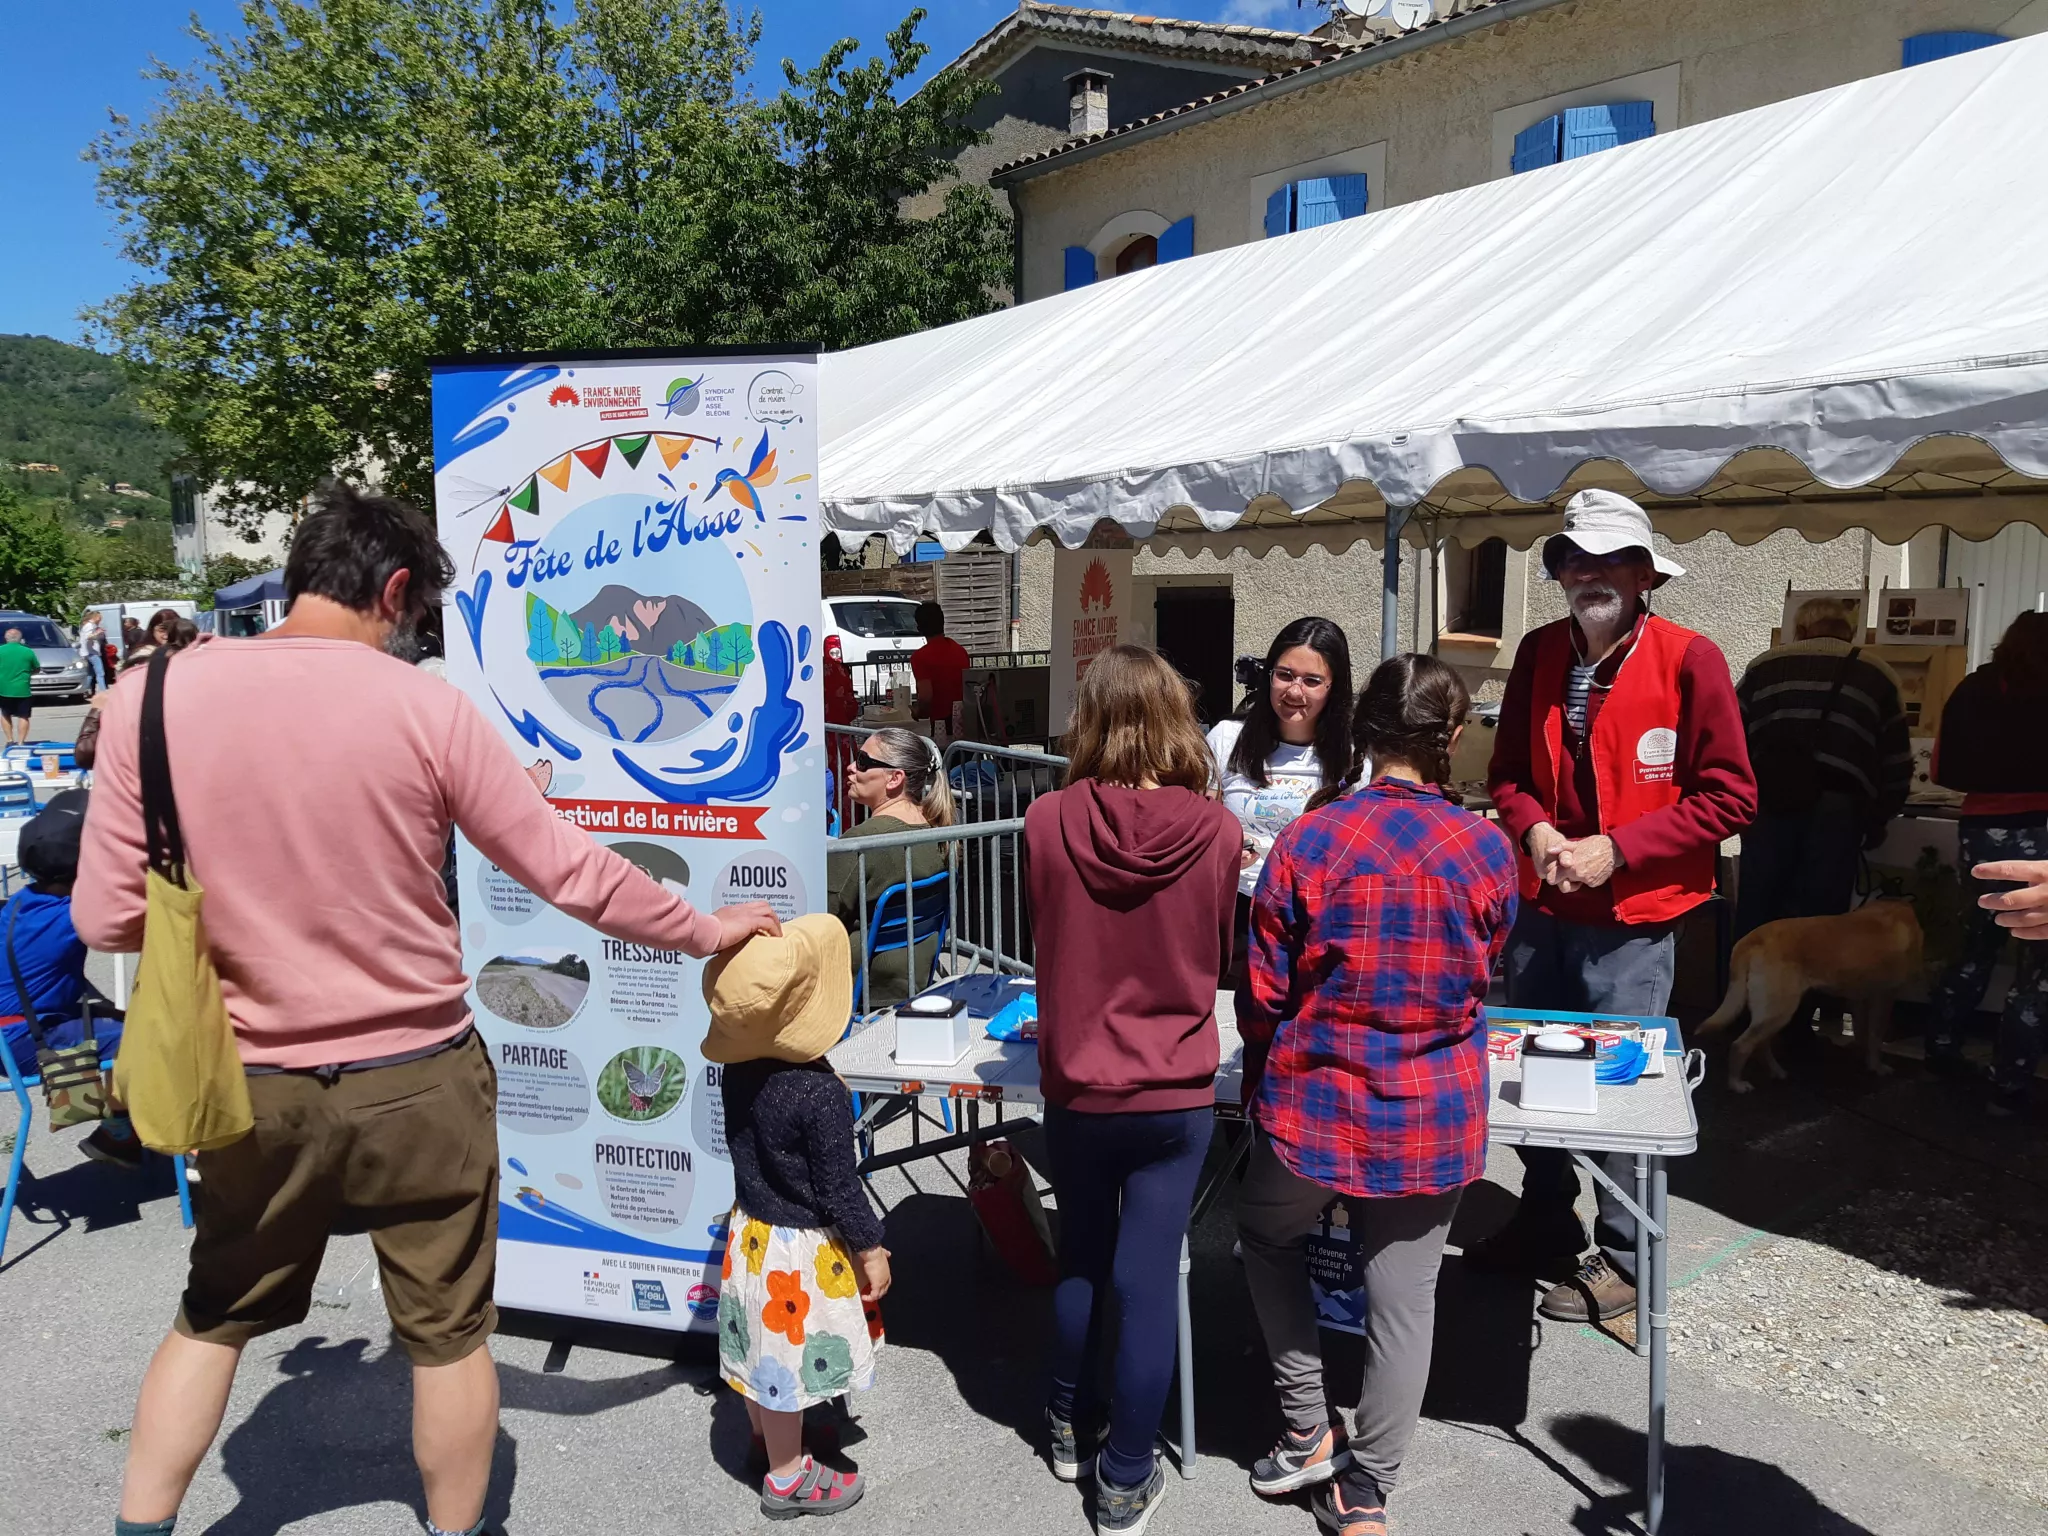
x,y
1621,1062
1010,1024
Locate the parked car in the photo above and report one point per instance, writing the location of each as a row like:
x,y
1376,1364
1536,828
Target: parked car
x,y
873,626
62,675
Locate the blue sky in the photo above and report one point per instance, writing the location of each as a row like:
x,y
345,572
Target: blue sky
x,y
73,60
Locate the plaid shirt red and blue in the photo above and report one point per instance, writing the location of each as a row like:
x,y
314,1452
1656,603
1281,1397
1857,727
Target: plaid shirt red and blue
x,y
1374,932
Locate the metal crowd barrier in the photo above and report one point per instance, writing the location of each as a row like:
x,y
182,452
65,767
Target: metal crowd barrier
x,y
984,926
871,677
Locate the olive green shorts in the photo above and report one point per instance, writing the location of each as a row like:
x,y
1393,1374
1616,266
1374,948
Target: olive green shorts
x,y
407,1153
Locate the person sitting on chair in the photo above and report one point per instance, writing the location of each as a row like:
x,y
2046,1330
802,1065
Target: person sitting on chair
x,y
40,942
897,777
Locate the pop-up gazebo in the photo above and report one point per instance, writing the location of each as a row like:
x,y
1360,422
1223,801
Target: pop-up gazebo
x,y
1824,314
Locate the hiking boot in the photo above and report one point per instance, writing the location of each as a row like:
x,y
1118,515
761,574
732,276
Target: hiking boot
x,y
1527,1248
818,1490
1351,1506
1124,1511
1069,1457
1596,1293
1298,1460
115,1151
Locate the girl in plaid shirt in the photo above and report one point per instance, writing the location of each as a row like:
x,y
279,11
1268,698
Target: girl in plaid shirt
x,y
1374,935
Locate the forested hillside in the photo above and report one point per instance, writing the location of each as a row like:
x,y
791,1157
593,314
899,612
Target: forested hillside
x,y
70,407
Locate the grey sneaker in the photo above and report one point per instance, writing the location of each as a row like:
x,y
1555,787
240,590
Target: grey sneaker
x,y
1124,1511
1063,1449
1297,1462
818,1491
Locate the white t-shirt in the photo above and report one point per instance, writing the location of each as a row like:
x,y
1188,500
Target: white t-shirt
x,y
1293,774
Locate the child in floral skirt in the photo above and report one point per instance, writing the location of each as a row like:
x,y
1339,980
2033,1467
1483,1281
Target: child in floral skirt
x,y
798,1320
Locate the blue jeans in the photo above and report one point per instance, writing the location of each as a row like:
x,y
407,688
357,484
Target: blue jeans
x,y
1587,968
1125,1186
60,1033
98,663
1962,986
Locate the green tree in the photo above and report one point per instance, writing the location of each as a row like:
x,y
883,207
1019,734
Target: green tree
x,y
351,187
38,564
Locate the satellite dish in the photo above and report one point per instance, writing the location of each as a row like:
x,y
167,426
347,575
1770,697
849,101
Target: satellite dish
x,y
1363,7
1412,13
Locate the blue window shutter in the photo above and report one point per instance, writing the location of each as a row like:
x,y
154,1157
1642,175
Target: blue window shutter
x,y
1929,46
1178,243
1539,144
1326,199
1588,130
1080,266
1280,211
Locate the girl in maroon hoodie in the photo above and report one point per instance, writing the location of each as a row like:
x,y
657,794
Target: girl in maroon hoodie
x,y
1132,873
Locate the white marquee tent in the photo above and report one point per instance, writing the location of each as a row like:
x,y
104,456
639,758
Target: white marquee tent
x,y
1824,314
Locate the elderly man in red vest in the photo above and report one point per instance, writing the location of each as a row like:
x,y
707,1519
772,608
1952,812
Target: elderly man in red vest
x,y
1618,768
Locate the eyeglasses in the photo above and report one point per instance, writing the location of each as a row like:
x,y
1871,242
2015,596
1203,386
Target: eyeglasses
x,y
1287,677
1586,560
867,764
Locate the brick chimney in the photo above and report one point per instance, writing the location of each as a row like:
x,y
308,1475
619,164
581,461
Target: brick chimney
x,y
1088,101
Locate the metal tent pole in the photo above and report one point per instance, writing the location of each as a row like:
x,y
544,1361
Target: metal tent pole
x,y
1390,583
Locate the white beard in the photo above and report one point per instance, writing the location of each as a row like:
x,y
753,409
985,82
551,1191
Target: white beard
x,y
1598,606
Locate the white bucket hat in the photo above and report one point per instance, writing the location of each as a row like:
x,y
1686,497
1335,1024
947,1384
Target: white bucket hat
x,y
1603,523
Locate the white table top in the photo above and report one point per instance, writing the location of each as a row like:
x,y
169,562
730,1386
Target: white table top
x,y
1653,1114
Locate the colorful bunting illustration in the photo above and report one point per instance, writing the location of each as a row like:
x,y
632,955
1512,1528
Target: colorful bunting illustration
x,y
500,532
526,498
672,448
631,449
557,473
595,457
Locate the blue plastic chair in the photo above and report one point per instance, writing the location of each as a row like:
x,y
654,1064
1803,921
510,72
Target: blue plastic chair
x,y
16,793
28,755
21,1082
929,902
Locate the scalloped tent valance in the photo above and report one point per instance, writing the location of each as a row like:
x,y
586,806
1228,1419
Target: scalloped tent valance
x,y
1823,314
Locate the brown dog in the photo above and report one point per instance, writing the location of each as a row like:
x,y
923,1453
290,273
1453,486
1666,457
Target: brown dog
x,y
1870,957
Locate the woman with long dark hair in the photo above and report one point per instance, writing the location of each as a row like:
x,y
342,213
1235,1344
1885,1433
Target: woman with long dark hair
x,y
1130,870
1374,934
1292,737
1992,747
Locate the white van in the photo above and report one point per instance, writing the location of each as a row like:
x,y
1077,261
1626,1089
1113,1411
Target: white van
x,y
111,614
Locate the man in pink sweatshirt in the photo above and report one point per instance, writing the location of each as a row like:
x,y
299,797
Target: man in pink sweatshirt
x,y
316,779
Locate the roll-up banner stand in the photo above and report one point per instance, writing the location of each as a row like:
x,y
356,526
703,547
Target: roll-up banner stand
x,y
636,608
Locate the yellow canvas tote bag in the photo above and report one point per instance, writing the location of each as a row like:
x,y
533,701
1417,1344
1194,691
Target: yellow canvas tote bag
x,y
178,1072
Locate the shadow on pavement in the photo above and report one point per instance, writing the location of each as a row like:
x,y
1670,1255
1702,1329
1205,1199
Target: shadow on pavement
x,y
86,1193
358,1412
1707,1490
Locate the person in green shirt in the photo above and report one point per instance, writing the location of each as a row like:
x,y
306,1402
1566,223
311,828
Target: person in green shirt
x,y
17,665
897,775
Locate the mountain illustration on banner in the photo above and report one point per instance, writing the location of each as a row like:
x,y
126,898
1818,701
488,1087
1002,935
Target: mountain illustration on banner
x,y
637,668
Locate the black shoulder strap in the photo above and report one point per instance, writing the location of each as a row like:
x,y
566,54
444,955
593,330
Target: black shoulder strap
x,y
1827,711
28,1004
160,829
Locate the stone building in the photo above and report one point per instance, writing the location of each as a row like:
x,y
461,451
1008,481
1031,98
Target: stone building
x,y
1371,114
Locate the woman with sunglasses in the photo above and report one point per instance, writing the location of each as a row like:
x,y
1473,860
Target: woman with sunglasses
x,y
897,778
1291,737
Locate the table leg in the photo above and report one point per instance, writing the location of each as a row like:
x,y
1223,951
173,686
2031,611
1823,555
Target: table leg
x,y
1659,1322
1187,1367
1642,1257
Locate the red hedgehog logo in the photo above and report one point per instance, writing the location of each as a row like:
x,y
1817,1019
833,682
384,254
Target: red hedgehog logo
x,y
563,395
1096,590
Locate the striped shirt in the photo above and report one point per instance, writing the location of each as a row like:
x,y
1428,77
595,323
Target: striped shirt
x,y
1578,684
1820,722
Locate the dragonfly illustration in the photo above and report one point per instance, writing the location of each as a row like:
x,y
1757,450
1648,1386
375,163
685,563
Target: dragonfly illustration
x,y
746,489
642,1088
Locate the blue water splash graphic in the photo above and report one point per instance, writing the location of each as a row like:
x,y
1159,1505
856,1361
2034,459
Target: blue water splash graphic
x,y
735,722
531,1217
777,722
517,1166
803,642
468,396
533,733
807,674
471,606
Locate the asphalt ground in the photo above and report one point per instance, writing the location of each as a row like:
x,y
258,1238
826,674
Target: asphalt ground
x,y
1529,1427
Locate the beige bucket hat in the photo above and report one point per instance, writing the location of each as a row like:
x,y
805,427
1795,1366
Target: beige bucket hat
x,y
1604,523
788,999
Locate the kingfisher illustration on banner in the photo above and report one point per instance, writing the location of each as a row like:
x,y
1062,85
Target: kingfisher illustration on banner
x,y
746,489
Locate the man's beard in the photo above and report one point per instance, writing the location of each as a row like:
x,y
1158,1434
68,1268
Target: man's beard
x,y
404,642
1598,605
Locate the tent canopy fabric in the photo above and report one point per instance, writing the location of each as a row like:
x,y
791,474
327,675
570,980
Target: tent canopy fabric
x,y
251,590
1824,313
